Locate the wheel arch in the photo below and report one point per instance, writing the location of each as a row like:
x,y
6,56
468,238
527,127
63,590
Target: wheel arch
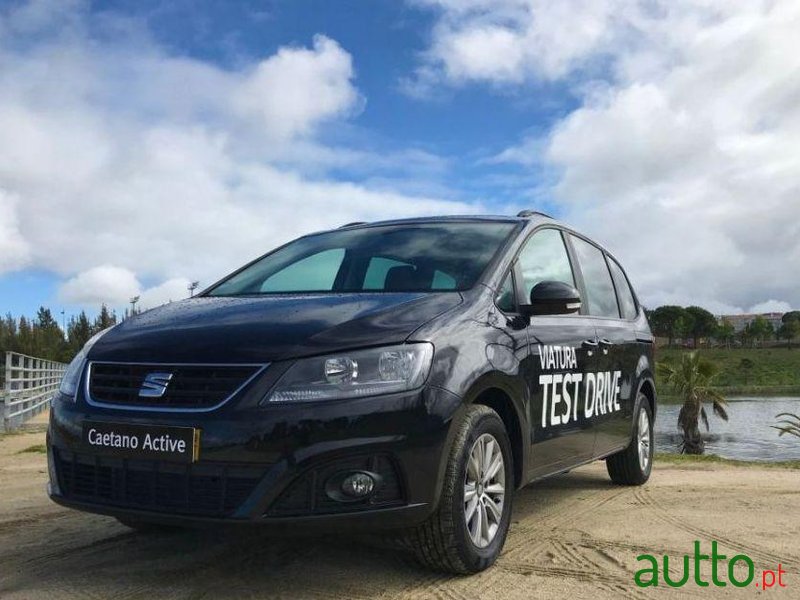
x,y
492,393
647,388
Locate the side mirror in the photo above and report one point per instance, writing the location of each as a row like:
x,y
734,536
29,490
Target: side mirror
x,y
553,298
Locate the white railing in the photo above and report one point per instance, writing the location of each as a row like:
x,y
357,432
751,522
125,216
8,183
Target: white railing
x,y
29,386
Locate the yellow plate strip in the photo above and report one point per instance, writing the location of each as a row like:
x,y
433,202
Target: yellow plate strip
x,y
196,445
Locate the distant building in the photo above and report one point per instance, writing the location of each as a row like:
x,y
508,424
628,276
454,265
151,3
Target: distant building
x,y
739,322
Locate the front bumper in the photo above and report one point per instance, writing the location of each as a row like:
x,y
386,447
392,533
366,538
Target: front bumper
x,y
265,466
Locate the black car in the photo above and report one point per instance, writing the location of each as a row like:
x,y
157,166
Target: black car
x,y
405,375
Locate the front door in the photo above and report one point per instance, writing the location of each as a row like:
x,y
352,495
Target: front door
x,y
563,357
562,351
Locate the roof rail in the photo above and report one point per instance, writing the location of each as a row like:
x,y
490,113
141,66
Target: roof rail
x,y
524,214
353,224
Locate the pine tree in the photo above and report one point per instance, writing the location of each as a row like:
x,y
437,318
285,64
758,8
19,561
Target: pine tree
x,y
105,319
79,331
25,339
48,337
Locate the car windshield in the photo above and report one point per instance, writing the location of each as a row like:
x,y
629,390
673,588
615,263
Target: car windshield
x,y
421,257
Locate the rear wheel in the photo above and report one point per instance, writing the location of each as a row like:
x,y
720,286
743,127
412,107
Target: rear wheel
x,y
633,465
468,530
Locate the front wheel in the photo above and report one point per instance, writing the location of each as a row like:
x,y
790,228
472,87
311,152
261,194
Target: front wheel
x,y
468,530
633,465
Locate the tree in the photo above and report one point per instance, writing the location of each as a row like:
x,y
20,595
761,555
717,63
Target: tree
x,y
704,324
792,315
42,337
725,333
789,331
48,336
759,329
692,379
105,319
8,334
790,327
79,330
671,322
25,340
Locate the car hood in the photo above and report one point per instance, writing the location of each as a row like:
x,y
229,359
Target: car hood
x,y
268,328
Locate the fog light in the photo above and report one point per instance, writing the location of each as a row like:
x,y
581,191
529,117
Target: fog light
x,y
358,485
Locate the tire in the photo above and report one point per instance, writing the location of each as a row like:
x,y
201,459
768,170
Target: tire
x,y
147,526
444,542
626,467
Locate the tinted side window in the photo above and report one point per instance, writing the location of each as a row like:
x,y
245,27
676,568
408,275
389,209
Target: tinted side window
x,y
505,295
545,258
602,300
627,304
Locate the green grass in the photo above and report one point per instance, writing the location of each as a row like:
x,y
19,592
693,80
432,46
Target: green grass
x,y
37,449
775,371
688,459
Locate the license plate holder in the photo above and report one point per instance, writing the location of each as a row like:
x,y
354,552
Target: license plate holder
x,y
142,441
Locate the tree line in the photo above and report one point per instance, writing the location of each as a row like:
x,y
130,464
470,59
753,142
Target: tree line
x,y
42,337
693,322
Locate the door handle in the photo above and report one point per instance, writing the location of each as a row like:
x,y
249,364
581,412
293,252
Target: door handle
x,y
605,344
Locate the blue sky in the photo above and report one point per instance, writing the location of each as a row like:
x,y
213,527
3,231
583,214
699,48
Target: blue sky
x,y
149,144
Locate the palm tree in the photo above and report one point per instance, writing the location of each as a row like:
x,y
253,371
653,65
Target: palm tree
x,y
691,378
789,423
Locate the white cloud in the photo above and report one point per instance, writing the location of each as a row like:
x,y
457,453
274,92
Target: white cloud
x,y
684,157
508,41
105,283
297,88
169,291
115,151
771,306
14,250
116,286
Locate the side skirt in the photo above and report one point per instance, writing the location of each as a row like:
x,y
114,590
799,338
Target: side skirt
x,y
560,470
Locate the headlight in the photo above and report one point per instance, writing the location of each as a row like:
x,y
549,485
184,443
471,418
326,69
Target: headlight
x,y
355,374
72,376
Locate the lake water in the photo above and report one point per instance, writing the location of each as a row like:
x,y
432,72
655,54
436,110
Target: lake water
x,y
746,436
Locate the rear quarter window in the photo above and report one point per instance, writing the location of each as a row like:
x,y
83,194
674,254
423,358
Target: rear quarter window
x,y
627,302
601,298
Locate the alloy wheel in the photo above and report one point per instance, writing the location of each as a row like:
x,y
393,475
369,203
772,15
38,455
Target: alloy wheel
x,y
644,440
484,490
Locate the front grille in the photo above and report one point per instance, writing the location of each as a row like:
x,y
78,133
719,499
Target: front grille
x,y
307,496
197,489
190,386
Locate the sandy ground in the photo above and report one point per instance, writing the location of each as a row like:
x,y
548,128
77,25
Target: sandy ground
x,y
574,536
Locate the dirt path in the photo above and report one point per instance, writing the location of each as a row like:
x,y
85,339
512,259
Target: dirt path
x,y
575,536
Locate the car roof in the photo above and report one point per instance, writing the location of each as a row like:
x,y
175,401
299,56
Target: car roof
x,y
533,218
529,218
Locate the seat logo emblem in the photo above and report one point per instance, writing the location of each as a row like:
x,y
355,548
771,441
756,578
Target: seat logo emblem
x,y
155,385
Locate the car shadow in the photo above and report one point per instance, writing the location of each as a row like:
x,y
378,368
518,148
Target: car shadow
x,y
78,555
